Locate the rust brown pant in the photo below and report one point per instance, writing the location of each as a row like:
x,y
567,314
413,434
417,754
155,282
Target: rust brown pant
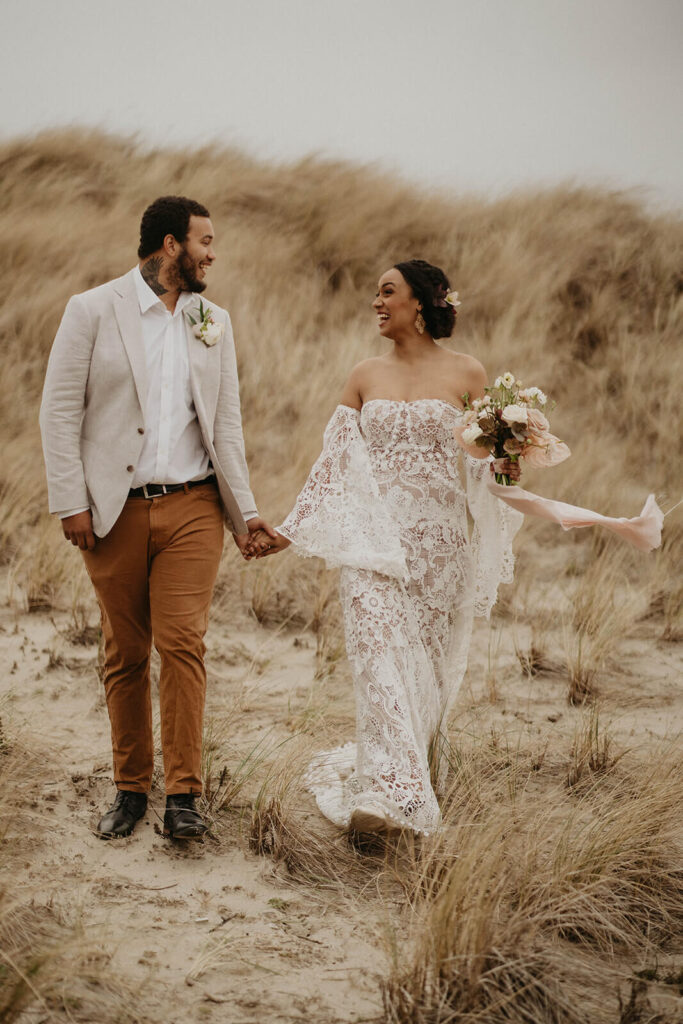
x,y
153,575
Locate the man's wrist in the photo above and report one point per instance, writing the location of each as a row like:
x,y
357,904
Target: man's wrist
x,y
73,512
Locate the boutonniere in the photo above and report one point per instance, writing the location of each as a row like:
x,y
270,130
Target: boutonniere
x,y
204,326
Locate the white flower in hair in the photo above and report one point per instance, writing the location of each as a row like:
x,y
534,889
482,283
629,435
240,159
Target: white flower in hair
x,y
452,299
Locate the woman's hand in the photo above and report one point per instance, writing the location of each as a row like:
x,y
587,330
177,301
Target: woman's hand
x,y
507,467
270,545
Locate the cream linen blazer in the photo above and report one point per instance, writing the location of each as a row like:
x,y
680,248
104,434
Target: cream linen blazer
x,y
92,415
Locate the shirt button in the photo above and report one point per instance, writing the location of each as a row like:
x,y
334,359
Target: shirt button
x,y
130,468
141,430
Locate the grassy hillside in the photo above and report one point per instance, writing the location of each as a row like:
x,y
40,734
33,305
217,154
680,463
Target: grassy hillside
x,y
576,290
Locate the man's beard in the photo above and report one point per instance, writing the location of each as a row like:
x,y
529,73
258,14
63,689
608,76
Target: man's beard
x,y
186,274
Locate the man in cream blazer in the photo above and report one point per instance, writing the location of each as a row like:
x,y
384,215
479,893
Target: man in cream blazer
x,y
143,445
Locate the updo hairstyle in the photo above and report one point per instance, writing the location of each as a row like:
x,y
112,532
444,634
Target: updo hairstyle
x,y
430,286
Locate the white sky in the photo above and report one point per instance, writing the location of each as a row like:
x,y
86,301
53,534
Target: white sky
x,y
474,95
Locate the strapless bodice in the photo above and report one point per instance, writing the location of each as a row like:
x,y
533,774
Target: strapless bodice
x,y
424,424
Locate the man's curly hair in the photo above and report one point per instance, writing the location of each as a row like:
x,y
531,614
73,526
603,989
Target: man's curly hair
x,y
168,215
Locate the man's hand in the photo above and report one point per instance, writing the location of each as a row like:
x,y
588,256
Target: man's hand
x,y
78,529
259,538
273,546
242,540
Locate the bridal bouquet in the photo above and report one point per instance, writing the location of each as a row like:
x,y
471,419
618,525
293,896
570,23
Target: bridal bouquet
x,y
508,423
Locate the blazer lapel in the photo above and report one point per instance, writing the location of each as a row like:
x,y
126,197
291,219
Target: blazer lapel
x,y
198,356
127,312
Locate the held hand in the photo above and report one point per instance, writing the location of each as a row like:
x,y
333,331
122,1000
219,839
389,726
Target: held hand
x,y
243,540
261,535
273,546
78,529
507,467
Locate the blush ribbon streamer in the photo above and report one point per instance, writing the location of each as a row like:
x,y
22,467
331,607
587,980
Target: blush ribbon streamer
x,y
644,531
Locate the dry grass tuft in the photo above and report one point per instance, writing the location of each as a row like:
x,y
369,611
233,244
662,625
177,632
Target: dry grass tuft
x,y
591,752
50,969
230,772
311,850
527,909
279,831
605,608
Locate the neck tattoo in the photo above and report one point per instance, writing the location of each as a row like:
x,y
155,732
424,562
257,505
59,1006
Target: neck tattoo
x,y
150,271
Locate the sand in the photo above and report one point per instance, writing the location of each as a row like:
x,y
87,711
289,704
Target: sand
x,y
212,931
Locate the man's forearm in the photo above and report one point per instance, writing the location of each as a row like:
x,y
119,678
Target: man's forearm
x,y
61,410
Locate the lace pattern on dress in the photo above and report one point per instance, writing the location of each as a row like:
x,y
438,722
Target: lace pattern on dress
x,y
495,526
338,515
386,502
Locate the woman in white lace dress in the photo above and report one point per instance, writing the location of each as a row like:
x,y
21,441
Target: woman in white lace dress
x,y
385,502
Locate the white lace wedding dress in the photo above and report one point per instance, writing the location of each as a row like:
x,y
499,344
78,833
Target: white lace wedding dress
x,y
385,502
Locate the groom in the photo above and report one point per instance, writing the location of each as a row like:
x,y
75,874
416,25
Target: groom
x,y
142,437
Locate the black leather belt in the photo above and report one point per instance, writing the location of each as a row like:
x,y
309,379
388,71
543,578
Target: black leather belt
x,y
156,490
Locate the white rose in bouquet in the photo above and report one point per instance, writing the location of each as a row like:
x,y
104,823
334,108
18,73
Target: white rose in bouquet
x,y
471,433
515,414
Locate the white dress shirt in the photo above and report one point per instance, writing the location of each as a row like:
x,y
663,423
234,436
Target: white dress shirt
x,y
172,451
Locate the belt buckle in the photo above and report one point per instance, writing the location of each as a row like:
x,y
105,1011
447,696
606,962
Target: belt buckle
x,y
145,493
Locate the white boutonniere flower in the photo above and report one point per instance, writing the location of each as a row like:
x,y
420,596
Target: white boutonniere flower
x,y
204,326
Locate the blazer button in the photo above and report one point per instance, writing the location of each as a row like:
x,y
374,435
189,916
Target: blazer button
x,y
141,430
130,468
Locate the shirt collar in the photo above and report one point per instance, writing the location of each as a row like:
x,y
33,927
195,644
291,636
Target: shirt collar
x,y
147,298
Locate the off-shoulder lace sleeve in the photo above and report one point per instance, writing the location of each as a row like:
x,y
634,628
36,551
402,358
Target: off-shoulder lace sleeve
x,y
495,525
339,514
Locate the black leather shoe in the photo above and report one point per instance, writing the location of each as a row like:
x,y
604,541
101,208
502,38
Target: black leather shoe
x,y
182,820
120,819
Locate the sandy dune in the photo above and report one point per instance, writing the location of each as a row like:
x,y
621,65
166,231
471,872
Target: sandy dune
x,y
213,931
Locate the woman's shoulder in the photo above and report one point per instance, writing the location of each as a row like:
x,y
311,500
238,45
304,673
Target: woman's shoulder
x,y
359,378
366,367
464,361
364,372
464,365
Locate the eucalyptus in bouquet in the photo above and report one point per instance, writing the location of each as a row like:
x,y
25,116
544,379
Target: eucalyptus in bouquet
x,y
509,422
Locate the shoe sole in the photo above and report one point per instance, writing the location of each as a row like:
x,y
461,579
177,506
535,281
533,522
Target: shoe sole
x,y
184,835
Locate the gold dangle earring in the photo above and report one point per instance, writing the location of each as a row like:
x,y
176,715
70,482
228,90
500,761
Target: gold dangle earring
x,y
419,323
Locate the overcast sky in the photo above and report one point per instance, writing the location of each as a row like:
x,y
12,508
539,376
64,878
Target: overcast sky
x,y
475,95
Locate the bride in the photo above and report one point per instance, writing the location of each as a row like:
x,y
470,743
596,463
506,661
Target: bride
x,y
385,502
